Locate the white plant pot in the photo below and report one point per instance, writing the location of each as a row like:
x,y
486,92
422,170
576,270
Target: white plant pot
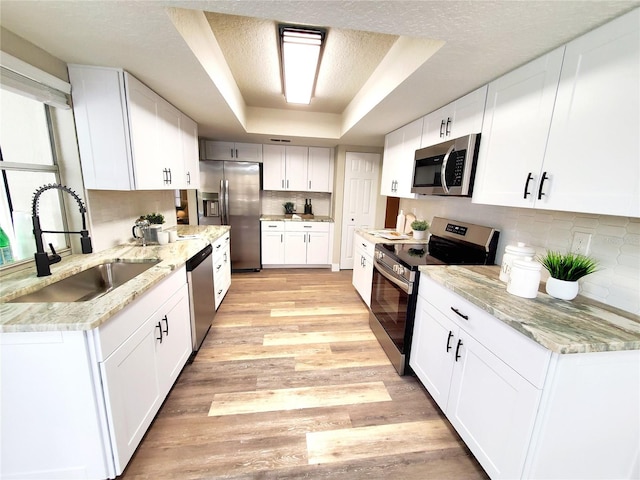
x,y
419,234
562,289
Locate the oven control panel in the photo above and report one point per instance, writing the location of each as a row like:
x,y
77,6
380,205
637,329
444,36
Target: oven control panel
x,y
457,229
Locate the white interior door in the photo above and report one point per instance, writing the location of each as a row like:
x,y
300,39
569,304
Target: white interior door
x,y
361,173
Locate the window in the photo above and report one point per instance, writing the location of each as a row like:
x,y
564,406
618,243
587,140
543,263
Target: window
x,y
28,161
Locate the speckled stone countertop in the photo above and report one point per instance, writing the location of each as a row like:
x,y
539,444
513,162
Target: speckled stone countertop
x,y
377,239
287,218
579,326
60,316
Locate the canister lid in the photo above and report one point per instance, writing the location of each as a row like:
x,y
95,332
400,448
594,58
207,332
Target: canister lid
x,y
520,249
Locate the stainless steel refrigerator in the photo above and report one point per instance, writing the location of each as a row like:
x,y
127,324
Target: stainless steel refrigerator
x,y
230,195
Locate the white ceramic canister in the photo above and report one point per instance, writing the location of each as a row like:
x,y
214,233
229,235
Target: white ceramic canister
x,y
519,251
524,279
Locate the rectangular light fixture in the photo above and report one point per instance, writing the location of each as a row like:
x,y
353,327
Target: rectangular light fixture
x,y
300,52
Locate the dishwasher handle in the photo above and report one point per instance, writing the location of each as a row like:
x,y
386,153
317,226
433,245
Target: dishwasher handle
x,y
198,258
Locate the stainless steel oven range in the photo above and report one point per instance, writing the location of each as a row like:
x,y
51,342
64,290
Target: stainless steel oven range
x,y
395,278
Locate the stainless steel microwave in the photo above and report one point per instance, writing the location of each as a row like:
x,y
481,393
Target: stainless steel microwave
x,y
447,168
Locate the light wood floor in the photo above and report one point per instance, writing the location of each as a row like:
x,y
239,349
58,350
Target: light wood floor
x,y
291,383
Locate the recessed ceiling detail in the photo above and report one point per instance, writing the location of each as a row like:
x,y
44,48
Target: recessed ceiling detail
x,y
250,47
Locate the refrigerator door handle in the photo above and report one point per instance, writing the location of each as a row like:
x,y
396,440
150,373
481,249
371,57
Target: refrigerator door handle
x,y
226,202
223,206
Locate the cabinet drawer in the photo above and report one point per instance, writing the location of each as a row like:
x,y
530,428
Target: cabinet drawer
x,y
220,244
272,226
525,356
364,244
122,325
306,226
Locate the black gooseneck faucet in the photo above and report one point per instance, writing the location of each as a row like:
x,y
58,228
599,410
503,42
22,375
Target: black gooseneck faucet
x,y
43,259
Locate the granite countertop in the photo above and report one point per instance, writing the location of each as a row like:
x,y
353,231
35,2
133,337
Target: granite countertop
x,y
287,218
375,238
579,326
62,316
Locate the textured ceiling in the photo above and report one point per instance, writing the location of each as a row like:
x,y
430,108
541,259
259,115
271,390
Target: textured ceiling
x,y
480,40
250,47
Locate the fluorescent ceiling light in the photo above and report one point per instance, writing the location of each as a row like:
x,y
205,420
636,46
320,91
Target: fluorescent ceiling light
x,y
300,50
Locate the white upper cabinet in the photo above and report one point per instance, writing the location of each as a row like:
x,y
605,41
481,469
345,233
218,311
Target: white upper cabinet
x,y
189,130
320,171
457,119
593,153
548,151
241,152
296,168
129,137
514,132
397,167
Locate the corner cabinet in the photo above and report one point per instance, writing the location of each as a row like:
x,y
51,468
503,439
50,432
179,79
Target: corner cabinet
x,y
552,125
397,166
297,168
129,137
524,411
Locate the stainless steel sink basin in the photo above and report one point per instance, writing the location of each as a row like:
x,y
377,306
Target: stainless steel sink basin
x,y
88,284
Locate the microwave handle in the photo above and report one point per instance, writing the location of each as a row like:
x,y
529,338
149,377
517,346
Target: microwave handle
x,y
443,176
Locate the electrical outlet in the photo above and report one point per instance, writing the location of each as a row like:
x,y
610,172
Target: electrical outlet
x,y
581,243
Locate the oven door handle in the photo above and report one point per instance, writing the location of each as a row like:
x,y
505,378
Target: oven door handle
x,y
386,272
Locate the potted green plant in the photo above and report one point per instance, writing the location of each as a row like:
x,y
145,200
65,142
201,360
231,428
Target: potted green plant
x,y
419,228
288,207
564,272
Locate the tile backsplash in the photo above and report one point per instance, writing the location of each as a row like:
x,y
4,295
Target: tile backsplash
x,y
615,241
272,202
112,213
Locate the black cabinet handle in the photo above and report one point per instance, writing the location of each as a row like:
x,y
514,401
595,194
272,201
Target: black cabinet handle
x,y
526,185
449,340
447,131
188,178
159,327
458,350
457,312
442,128
540,193
166,322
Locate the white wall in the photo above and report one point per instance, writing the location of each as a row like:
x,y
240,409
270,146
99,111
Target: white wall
x,y
615,241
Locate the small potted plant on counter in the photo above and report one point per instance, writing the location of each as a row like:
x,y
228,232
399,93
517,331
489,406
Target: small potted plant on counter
x,y
419,228
565,270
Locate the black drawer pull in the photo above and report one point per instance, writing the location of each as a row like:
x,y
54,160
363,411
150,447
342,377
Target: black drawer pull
x,y
449,340
159,326
458,350
540,192
457,312
166,322
526,186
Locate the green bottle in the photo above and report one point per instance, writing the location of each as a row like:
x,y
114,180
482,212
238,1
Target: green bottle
x,y
5,248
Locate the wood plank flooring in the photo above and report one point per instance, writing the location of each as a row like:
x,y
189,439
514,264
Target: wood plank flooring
x,y
290,383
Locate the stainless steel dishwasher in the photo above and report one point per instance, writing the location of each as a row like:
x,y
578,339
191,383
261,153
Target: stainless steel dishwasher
x,y
201,295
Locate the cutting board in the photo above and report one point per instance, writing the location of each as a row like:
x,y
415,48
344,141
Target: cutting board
x,y
410,217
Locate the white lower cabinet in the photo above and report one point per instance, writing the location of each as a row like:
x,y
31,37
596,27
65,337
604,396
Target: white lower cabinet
x,y
523,411
363,267
295,243
272,249
306,243
492,407
76,404
221,268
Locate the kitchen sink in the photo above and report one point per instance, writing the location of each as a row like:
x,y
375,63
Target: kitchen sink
x,y
89,284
